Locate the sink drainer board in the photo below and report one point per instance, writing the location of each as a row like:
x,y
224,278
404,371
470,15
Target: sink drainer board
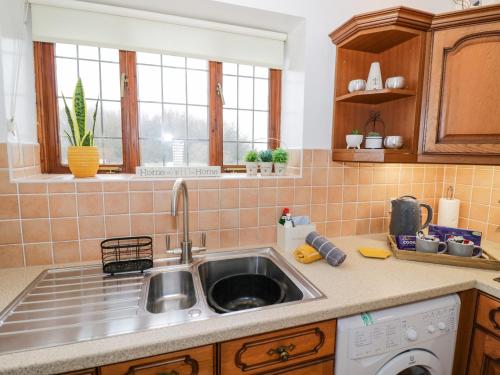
x,y
69,305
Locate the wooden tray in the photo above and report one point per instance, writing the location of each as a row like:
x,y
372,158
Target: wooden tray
x,y
486,261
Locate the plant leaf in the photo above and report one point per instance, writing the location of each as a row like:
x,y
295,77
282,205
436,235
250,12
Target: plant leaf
x,y
80,108
94,118
86,139
71,140
72,123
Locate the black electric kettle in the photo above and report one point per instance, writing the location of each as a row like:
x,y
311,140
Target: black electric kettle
x,y
406,216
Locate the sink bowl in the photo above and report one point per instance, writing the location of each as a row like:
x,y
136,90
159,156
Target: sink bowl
x,y
170,291
212,271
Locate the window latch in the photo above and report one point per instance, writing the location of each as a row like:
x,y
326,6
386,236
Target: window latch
x,y
123,83
220,93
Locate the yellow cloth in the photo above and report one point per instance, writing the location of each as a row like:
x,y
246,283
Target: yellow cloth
x,y
373,252
306,254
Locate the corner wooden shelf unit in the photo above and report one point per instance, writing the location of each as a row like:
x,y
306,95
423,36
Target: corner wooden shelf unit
x,y
396,38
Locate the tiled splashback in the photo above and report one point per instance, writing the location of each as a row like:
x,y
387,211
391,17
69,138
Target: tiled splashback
x,y
53,223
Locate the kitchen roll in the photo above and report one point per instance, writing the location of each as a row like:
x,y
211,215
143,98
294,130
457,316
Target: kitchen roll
x,y
448,212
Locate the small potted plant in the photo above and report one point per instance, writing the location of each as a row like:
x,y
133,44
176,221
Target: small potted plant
x,y
280,160
354,139
83,156
266,162
251,162
373,140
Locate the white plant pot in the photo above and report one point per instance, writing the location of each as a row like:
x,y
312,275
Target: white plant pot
x,y
280,168
373,142
374,81
266,168
354,140
252,167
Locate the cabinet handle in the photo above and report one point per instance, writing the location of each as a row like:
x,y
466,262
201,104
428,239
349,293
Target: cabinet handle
x,y
282,351
492,316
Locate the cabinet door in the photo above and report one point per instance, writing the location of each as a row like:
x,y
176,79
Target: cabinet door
x,y
278,350
196,361
485,355
462,108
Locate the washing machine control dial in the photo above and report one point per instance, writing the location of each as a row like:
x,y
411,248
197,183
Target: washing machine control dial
x,y
442,326
411,334
431,328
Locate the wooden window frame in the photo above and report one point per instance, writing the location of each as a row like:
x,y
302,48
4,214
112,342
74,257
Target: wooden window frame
x,y
48,123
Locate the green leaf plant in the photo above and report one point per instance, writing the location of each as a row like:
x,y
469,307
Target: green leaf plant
x,y
79,135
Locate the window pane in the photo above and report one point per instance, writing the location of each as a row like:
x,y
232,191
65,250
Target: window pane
x,y
111,118
245,128
65,50
89,73
100,80
147,58
110,54
230,88
175,120
197,87
197,122
230,153
198,153
110,73
174,61
245,93
174,85
197,64
247,124
230,118
261,94
149,83
150,120
261,72
88,52
184,112
260,126
66,77
154,153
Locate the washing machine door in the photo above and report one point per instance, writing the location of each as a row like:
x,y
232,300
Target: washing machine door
x,y
413,362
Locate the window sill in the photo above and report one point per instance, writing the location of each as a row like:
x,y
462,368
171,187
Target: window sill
x,y
124,177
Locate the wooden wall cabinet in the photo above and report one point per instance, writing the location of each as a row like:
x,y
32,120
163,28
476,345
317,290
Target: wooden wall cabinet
x,y
449,112
461,118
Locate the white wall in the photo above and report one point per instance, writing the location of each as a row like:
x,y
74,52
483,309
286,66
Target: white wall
x,y
321,17
16,52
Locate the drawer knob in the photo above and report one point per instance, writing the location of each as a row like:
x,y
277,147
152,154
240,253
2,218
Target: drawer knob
x,y
282,351
492,316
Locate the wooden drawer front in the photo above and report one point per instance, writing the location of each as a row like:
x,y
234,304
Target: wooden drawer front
x,y
322,368
91,371
278,349
187,362
488,314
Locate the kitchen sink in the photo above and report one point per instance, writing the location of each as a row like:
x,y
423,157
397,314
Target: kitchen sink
x,y
74,304
170,291
212,271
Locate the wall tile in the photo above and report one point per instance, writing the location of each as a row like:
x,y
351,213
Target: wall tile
x,y
64,229
62,205
11,256
36,230
11,232
9,207
91,227
38,254
90,204
66,252
34,206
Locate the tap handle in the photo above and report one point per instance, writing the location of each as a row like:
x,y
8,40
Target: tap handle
x,y
167,242
204,239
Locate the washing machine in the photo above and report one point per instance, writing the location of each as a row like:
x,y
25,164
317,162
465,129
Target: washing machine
x,y
413,339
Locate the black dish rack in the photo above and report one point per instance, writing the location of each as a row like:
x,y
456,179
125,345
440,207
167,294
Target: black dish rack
x,y
127,254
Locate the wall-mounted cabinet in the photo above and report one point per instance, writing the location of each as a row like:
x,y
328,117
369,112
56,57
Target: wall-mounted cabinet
x,y
448,110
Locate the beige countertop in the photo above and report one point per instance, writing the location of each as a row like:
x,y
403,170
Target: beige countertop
x,y
360,284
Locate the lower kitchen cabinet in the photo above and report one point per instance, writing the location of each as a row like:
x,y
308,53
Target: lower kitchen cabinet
x,y
485,346
322,368
196,361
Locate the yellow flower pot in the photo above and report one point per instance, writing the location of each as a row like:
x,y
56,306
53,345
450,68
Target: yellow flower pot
x,y
83,161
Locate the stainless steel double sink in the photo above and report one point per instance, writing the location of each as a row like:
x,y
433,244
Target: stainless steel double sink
x,y
76,304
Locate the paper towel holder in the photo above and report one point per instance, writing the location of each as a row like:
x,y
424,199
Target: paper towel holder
x,y
450,192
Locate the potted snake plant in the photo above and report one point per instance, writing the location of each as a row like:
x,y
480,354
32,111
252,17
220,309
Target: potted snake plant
x,y
83,156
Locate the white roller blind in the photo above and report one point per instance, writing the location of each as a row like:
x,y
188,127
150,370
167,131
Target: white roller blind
x,y
69,21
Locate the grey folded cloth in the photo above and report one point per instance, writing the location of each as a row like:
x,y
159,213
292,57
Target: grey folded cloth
x,y
332,254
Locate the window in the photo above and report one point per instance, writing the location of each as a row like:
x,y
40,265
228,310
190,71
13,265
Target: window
x,y
156,109
173,110
99,70
246,110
